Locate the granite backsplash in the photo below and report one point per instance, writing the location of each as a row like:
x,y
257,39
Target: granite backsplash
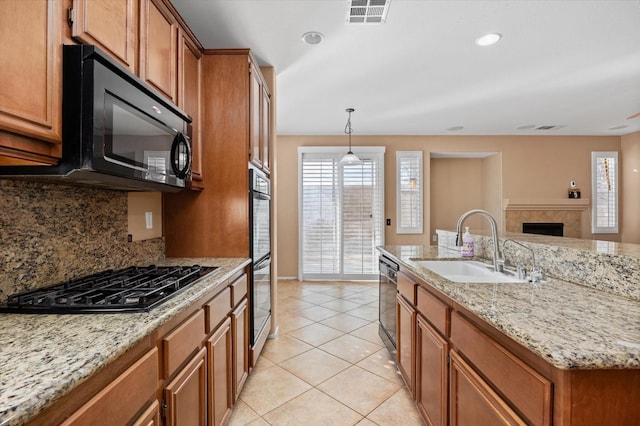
x,y
51,232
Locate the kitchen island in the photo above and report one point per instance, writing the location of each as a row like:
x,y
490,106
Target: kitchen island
x,y
45,357
575,345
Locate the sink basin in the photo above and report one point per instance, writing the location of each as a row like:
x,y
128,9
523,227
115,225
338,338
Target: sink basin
x,y
468,271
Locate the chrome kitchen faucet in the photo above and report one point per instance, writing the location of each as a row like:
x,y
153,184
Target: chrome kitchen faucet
x,y
498,258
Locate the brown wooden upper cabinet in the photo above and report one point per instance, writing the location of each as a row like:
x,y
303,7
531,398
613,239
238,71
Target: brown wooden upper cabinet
x,y
259,116
265,129
112,25
158,47
190,99
31,88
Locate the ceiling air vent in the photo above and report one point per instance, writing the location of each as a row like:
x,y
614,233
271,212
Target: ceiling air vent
x,y
546,127
367,11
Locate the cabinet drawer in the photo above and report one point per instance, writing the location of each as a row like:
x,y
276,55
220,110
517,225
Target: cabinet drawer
x,y
433,309
407,288
217,309
181,342
238,290
528,391
473,402
123,397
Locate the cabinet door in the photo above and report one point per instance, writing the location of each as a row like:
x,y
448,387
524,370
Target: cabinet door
x,y
255,95
185,397
158,47
240,332
190,100
265,130
112,25
30,80
220,374
406,324
431,373
473,402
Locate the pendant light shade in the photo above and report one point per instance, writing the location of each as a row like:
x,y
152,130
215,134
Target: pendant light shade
x,y
349,158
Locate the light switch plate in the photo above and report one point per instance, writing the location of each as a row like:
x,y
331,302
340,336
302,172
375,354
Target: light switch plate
x,y
148,218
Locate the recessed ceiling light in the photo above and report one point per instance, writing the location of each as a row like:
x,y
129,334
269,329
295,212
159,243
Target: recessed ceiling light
x,y
488,39
312,37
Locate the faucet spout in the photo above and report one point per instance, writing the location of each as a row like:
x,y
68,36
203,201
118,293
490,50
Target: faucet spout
x,y
498,258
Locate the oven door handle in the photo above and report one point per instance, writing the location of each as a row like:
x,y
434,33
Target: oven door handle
x,y
262,263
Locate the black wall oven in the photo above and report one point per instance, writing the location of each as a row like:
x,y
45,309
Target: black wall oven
x,y
260,246
387,302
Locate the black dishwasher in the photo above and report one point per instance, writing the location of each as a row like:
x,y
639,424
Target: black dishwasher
x,y
387,302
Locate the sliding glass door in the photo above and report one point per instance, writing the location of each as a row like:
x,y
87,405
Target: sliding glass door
x,y
341,214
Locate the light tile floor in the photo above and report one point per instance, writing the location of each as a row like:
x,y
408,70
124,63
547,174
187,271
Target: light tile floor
x,y
328,365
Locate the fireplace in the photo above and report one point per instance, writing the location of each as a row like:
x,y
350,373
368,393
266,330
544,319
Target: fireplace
x,y
543,228
572,214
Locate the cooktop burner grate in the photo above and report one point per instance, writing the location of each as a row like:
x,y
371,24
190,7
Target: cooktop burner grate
x,y
134,289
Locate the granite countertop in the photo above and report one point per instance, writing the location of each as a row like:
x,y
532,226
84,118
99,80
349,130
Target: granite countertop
x,y
42,356
568,325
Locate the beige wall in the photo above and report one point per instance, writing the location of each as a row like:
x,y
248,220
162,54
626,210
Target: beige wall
x,y
630,188
492,188
461,184
532,167
456,186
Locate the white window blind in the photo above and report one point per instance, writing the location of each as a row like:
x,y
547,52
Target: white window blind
x,y
604,174
341,209
409,192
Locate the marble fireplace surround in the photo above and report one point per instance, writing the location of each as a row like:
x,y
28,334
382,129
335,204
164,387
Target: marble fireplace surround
x,y
574,213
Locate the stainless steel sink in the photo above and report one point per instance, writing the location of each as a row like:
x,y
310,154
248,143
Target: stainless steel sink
x,y
468,271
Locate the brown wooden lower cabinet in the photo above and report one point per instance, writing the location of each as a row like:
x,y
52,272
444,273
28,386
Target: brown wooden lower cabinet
x,y
406,324
432,381
473,402
240,337
190,371
220,374
185,397
491,380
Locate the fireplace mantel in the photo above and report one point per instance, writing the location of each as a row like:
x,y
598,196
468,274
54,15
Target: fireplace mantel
x,y
579,204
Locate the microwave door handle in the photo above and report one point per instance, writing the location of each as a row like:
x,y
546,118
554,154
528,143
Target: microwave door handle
x,y
180,146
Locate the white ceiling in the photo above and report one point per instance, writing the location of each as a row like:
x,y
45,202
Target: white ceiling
x,y
568,63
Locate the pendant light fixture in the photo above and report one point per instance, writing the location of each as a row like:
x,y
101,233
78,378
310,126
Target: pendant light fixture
x,y
349,157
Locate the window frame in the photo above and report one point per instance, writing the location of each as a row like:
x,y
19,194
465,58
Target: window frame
x,y
410,155
595,228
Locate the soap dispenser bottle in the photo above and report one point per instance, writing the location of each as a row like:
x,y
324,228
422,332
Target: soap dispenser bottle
x,y
467,243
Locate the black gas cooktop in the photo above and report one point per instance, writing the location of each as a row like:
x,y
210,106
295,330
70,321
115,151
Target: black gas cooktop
x,y
134,289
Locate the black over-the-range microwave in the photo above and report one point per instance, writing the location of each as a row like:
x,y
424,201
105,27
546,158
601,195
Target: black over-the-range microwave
x,y
117,132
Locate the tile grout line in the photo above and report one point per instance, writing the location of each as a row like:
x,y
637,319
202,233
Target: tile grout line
x,y
364,302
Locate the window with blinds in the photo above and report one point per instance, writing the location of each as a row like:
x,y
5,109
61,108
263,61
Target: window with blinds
x,y
604,174
341,209
409,192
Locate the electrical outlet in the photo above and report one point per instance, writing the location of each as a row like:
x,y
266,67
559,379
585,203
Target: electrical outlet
x,y
388,222
148,218
434,237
